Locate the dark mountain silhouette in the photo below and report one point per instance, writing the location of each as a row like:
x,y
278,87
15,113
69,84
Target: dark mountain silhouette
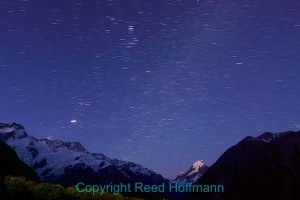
x,y
266,167
10,164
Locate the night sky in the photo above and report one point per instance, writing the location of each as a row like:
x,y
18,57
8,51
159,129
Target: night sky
x,y
159,83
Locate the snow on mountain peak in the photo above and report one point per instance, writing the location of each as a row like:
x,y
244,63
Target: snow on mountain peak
x,y
67,145
181,173
197,165
265,137
12,125
194,172
11,130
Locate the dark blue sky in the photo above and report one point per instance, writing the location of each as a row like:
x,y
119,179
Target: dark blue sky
x,y
159,83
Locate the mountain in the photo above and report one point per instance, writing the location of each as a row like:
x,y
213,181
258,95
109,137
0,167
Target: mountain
x,y
12,165
266,167
192,174
68,163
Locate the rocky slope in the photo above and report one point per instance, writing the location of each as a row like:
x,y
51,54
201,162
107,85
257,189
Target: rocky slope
x,y
266,167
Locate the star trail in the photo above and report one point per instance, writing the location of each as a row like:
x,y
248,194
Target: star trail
x,y
159,83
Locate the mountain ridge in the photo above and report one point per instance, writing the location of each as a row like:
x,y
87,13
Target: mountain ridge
x,y
56,161
263,167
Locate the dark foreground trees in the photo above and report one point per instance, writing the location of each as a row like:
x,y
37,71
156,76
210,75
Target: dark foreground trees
x,y
16,188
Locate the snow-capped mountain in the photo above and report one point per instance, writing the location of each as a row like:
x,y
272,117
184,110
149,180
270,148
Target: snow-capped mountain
x,y
68,163
192,174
